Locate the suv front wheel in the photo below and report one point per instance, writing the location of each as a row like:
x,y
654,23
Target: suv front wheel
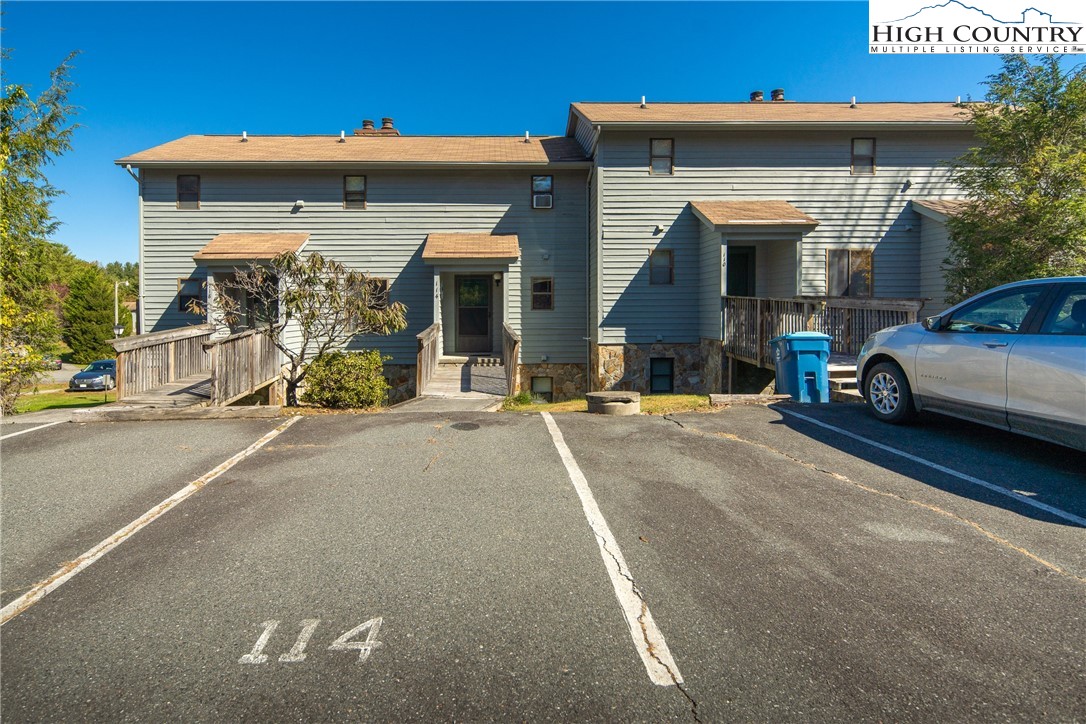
x,y
887,392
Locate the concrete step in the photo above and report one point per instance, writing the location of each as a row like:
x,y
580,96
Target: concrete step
x,y
838,371
845,396
843,383
461,360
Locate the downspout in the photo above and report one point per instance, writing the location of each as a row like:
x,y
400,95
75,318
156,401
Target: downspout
x,y
589,225
140,322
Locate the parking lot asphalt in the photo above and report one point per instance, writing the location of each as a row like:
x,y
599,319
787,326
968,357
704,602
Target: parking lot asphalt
x,y
795,573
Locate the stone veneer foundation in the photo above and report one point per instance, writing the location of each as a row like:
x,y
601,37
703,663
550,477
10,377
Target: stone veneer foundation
x,y
567,380
401,381
697,367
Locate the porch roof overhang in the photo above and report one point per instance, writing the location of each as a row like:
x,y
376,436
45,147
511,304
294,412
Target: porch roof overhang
x,y
939,209
753,215
452,248
250,247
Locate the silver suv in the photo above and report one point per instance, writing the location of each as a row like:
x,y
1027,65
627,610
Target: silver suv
x,y
1013,357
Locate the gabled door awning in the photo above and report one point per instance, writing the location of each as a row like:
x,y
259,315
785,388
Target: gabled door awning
x,y
461,247
767,213
250,247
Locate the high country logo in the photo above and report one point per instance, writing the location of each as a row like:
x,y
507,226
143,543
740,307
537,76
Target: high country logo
x,y
979,26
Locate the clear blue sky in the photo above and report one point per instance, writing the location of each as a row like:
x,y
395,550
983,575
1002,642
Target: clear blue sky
x,y
151,72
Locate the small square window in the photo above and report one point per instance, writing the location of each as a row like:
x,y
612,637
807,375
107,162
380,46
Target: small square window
x,y
190,295
543,387
378,293
188,192
662,267
661,374
849,273
354,192
542,192
863,156
662,156
542,293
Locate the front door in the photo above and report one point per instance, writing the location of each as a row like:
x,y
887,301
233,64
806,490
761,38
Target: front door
x,y
740,271
473,314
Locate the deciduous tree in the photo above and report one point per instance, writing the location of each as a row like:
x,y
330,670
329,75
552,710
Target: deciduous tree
x,y
1025,179
306,306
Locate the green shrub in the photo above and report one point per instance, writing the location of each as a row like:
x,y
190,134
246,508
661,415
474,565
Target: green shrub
x,y
347,380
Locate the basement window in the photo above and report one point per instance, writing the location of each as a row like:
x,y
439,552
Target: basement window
x,y
662,156
662,267
188,192
849,272
542,293
542,192
354,192
543,387
863,156
661,374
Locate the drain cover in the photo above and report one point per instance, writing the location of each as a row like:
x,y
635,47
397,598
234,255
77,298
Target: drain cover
x,y
466,426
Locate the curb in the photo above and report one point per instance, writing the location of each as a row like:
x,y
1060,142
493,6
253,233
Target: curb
x,y
147,414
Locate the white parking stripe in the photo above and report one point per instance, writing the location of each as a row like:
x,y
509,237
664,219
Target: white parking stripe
x,y
647,639
1018,497
44,587
39,427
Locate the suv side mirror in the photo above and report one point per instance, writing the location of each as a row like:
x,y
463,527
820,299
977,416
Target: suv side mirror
x,y
933,324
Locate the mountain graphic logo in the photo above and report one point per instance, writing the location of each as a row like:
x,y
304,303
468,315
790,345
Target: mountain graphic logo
x,y
1028,16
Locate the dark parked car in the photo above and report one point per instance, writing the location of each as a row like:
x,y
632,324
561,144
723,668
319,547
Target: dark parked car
x,y
98,375
1013,357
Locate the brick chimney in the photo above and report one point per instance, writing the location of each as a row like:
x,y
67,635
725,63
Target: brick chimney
x,y
778,94
368,129
757,96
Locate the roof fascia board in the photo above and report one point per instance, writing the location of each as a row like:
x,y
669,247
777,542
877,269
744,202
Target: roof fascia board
x,y
930,213
376,165
779,125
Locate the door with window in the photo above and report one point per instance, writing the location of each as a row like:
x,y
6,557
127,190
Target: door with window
x,y
473,314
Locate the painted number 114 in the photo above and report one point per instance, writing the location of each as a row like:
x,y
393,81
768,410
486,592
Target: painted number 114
x,y
347,642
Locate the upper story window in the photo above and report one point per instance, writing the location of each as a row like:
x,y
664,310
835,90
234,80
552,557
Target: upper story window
x,y
662,156
542,293
863,156
542,192
850,272
188,192
662,267
354,192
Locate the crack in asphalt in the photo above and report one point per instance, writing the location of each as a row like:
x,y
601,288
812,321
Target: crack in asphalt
x,y
644,630
999,540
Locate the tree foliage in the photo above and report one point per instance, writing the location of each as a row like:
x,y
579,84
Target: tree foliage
x,y
33,132
306,306
1025,180
88,313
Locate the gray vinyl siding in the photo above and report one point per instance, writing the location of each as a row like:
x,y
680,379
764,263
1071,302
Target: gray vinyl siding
x,y
809,169
934,245
711,262
584,133
384,240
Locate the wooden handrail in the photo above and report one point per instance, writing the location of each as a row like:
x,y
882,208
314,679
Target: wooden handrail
x,y
426,360
138,341
147,361
750,322
510,358
241,364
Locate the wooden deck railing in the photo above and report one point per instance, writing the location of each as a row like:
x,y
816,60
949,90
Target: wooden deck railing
x,y
240,365
147,361
750,322
510,358
427,356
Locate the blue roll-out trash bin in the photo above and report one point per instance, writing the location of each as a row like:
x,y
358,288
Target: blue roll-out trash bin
x,y
802,360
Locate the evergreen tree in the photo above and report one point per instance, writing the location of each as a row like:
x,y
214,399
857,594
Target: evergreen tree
x,y
88,312
1026,180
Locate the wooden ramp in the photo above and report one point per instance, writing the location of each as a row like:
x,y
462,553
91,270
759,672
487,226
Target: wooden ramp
x,y
191,391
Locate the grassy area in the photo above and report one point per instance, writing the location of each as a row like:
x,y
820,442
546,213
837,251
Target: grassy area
x,y
650,404
57,399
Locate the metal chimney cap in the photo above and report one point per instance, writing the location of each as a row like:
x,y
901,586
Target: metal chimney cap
x,y
757,96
